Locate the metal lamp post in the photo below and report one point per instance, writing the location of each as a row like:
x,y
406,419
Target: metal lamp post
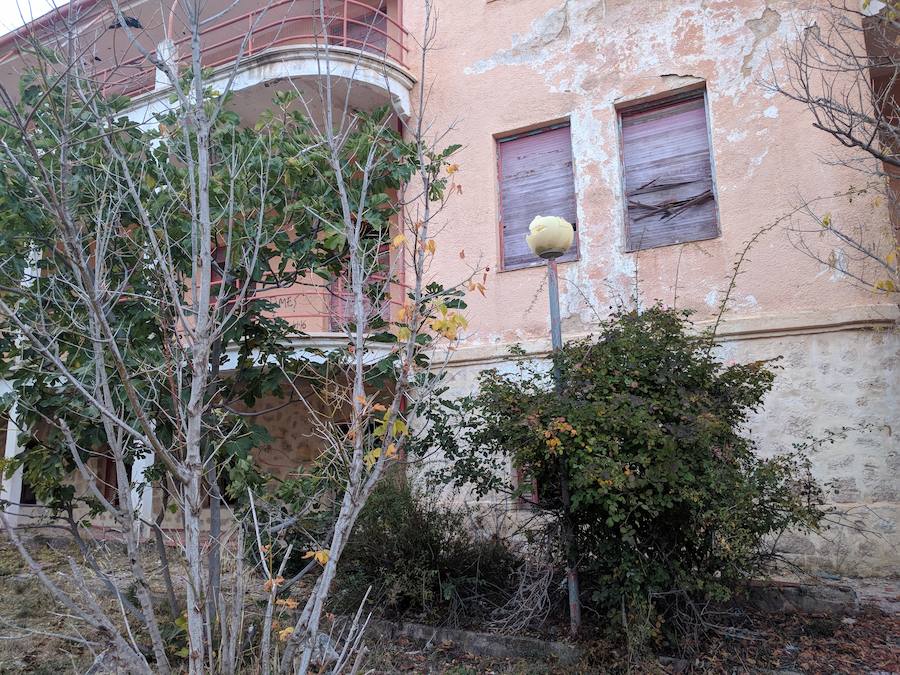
x,y
549,238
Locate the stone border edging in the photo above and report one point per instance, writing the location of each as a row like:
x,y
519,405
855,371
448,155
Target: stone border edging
x,y
482,644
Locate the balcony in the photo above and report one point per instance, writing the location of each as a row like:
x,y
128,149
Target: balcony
x,y
319,309
281,47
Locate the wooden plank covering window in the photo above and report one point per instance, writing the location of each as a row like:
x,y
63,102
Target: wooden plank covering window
x,y
669,191
536,179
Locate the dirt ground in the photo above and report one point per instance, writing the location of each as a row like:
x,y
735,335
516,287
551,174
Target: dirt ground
x,y
32,629
868,643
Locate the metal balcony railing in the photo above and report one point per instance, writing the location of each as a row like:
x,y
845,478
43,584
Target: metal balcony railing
x,y
313,305
374,27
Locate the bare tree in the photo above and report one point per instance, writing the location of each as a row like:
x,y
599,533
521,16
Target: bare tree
x,y
131,257
845,69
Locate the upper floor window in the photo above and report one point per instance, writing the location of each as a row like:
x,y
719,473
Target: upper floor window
x,y
669,191
536,179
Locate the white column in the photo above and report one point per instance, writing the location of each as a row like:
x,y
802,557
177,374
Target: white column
x,y
142,491
12,486
165,52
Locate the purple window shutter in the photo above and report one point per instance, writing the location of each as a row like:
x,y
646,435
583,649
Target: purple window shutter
x,y
536,179
669,190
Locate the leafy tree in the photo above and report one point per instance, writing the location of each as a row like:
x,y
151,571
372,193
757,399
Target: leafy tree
x,y
132,261
669,494
844,68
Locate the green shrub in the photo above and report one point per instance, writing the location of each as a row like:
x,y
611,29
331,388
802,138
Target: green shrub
x,y
669,496
422,559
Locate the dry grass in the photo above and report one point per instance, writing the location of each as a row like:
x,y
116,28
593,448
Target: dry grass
x,y
32,626
28,616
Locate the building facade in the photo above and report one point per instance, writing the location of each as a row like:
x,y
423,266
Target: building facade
x,y
650,126
632,96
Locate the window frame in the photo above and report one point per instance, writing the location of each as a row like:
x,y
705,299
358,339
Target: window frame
x,y
696,91
529,501
513,136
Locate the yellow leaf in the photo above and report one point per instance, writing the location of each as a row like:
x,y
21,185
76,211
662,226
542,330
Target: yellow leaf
x,y
826,220
430,246
321,555
391,451
452,169
371,457
290,603
475,286
286,633
405,312
398,241
403,333
885,285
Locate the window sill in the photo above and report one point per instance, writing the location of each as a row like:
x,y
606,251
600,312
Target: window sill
x,y
673,243
540,263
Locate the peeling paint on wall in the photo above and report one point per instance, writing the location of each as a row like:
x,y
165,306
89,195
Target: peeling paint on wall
x,y
602,58
762,28
514,65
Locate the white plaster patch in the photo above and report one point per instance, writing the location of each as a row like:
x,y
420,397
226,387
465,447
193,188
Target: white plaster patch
x,y
755,163
603,269
839,271
711,299
551,37
526,49
646,48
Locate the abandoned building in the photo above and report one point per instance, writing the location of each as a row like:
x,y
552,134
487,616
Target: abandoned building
x,y
573,108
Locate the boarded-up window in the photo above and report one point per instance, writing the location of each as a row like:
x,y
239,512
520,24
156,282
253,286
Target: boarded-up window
x,y
536,179
670,197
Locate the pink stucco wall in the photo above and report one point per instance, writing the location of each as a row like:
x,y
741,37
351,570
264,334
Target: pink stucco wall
x,y
500,66
505,65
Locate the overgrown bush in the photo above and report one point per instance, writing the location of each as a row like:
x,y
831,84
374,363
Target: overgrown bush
x,y
669,496
422,558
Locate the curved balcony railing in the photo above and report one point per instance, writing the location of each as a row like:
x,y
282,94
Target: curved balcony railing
x,y
313,305
320,310
374,27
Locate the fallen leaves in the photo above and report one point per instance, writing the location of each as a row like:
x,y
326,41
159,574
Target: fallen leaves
x,y
272,584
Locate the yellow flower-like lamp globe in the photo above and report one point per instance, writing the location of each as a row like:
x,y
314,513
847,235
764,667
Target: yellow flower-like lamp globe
x,y
550,236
